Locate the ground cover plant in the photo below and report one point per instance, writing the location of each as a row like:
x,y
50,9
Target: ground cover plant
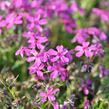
x,y
54,54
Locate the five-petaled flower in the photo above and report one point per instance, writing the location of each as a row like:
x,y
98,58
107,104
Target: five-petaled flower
x,y
58,70
60,54
36,22
37,68
84,49
49,94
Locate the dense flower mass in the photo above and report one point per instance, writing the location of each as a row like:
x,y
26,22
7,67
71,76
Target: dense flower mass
x,y
51,63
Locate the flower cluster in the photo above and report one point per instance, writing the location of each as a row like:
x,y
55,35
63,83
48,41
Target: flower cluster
x,y
89,50
85,33
50,64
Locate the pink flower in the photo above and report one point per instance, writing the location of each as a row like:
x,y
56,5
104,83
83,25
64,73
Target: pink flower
x,y
75,8
58,70
4,5
36,22
97,49
60,54
28,34
36,3
96,32
49,94
22,51
55,105
85,33
12,19
34,56
103,14
2,24
37,41
37,68
45,56
81,36
84,49
17,3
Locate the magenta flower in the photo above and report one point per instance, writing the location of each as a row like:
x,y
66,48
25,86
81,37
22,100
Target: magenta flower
x,y
22,51
75,8
81,36
45,56
34,56
58,70
37,68
36,3
2,23
49,94
12,19
57,5
103,14
60,54
37,42
85,33
38,57
36,22
4,5
96,32
84,49
97,49
17,3
55,105
28,34
40,41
